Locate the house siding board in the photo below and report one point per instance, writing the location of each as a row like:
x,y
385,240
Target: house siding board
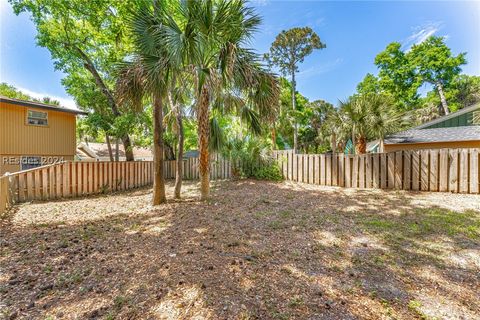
x,y
459,121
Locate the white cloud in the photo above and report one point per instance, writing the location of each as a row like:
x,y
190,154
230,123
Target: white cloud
x,y
422,33
319,69
65,102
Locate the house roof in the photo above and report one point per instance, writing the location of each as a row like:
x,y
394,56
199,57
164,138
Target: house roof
x,y
415,135
39,105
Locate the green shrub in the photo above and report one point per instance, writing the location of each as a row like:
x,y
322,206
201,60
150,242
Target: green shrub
x,y
268,171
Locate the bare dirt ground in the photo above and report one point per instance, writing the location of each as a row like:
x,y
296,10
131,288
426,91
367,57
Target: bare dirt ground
x,y
256,250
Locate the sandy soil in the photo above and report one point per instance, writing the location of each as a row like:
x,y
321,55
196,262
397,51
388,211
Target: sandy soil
x,y
256,250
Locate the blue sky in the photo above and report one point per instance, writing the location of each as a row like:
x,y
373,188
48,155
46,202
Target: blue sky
x,y
353,31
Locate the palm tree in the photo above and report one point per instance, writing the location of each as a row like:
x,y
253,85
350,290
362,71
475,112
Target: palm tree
x,y
354,115
369,116
209,38
146,78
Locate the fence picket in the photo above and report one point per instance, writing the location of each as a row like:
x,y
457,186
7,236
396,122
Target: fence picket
x,y
348,171
376,171
305,168
433,170
44,183
334,170
443,173
368,171
463,172
355,172
474,166
453,171
361,172
341,170
399,170
328,169
383,170
391,170
407,168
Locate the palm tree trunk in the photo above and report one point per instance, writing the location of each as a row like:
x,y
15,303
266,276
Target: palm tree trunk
x,y
179,169
442,98
158,178
334,143
361,146
274,137
109,146
294,106
203,135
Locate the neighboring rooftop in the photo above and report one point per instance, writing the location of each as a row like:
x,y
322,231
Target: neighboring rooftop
x,y
465,133
457,126
40,105
100,151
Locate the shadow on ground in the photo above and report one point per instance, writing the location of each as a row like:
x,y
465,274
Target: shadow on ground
x,y
256,250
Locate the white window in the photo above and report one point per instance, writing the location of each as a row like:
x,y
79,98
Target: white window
x,y
38,118
30,162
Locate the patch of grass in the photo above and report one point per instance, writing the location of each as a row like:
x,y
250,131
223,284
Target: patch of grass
x,y
295,301
415,306
379,224
64,280
427,221
276,225
285,214
120,301
48,269
261,214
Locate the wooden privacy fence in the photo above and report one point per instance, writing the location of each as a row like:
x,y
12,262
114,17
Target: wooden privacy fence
x,y
74,179
446,170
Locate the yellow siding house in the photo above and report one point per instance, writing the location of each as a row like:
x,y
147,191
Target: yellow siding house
x,y
34,134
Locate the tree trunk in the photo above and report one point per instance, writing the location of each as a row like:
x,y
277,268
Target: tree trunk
x,y
117,150
109,146
158,179
442,98
179,169
361,145
333,141
111,101
274,137
203,136
168,150
294,106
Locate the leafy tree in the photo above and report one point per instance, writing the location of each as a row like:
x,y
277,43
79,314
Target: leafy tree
x,y
84,35
397,76
286,115
464,91
435,64
287,51
369,84
9,91
313,117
